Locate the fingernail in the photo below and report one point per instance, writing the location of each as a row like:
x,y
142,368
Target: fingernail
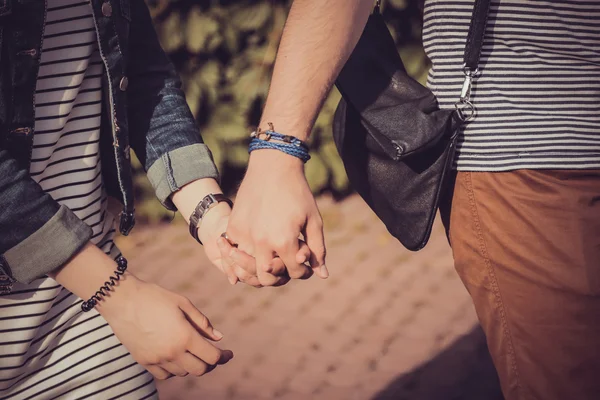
x,y
227,356
324,271
217,334
232,280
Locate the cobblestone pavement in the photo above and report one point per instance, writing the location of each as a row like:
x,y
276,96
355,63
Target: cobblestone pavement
x,y
387,324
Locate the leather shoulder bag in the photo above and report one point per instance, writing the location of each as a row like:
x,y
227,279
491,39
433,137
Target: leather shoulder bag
x,y
397,145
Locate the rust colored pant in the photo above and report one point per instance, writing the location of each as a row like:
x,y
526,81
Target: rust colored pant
x,y
526,244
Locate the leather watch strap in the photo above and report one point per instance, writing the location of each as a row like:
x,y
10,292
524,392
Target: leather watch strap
x,y
208,202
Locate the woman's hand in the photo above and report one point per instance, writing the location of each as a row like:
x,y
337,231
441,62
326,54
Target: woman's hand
x,y
212,225
164,332
210,229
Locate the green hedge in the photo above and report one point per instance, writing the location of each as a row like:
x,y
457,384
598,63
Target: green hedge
x,y
224,52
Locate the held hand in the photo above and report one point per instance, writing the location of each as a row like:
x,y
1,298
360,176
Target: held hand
x,y
212,225
233,258
210,230
164,332
237,265
273,207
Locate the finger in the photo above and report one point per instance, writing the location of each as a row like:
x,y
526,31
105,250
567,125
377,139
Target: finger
x,y
192,364
226,262
195,366
158,372
173,368
313,234
240,266
205,351
226,355
199,321
278,269
243,260
278,277
264,259
243,266
248,279
282,281
303,254
295,269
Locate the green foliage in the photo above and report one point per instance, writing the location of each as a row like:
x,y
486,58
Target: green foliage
x,y
224,51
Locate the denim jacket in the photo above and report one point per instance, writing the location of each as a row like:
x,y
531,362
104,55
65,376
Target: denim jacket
x,y
144,109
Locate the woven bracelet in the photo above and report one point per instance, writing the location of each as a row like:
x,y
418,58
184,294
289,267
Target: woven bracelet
x,y
108,285
292,150
285,143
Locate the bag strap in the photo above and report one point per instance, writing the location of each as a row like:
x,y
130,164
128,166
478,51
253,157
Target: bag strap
x,y
464,107
476,34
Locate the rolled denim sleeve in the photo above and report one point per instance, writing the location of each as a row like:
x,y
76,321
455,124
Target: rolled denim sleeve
x,y
37,235
179,167
162,129
49,247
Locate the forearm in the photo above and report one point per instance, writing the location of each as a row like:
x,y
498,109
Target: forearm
x,y
87,271
317,40
191,194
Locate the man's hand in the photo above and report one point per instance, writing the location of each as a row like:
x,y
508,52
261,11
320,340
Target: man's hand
x,y
273,207
237,265
274,204
234,259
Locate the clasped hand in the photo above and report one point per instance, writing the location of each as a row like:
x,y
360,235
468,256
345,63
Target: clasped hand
x,y
275,230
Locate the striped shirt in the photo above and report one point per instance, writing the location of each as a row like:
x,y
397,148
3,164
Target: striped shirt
x,y
49,348
538,95
68,101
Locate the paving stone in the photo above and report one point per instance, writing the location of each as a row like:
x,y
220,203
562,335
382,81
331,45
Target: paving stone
x,y
384,312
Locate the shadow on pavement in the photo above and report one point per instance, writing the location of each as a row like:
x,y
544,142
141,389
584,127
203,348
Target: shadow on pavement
x,y
463,371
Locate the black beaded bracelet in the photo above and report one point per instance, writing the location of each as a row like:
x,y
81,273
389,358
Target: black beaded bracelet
x,y
107,287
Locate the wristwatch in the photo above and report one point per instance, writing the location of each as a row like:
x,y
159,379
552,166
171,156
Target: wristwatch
x,y
208,202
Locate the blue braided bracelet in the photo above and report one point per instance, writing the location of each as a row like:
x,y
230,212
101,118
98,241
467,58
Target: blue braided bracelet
x,y
288,144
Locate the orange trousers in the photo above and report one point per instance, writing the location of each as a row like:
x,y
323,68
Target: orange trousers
x,y
526,245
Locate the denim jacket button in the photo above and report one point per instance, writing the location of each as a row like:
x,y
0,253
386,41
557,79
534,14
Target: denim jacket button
x,y
124,83
106,9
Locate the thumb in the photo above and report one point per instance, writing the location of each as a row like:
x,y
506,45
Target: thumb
x,y
199,321
313,235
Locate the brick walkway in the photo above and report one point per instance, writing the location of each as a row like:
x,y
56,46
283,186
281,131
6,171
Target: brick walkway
x,y
387,324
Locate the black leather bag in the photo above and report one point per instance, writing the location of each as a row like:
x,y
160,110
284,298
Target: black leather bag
x,y
396,144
